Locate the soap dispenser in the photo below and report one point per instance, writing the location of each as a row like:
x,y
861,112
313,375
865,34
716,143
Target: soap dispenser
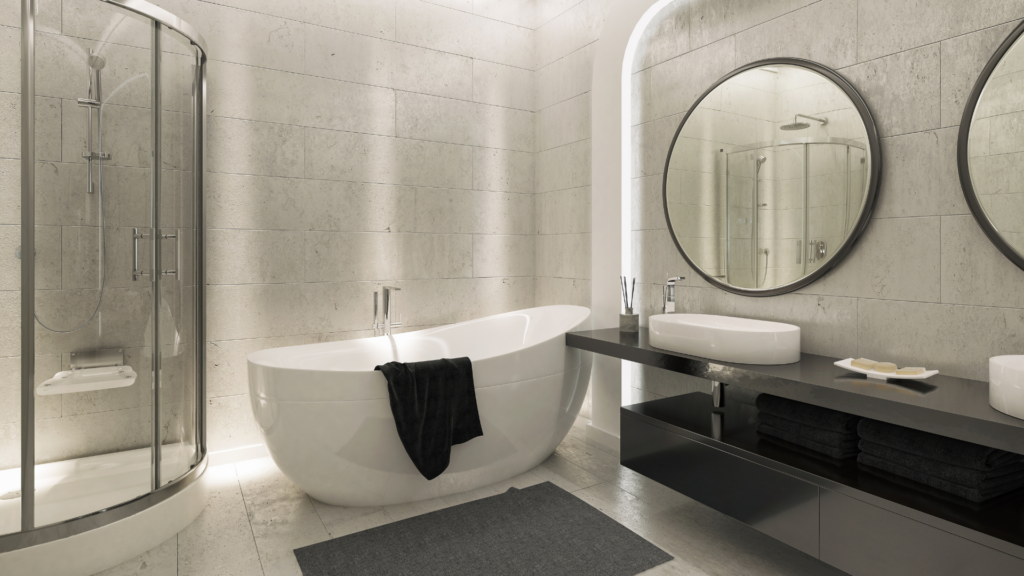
x,y
668,295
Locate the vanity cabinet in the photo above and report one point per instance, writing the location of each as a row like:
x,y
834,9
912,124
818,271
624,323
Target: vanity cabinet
x,y
852,519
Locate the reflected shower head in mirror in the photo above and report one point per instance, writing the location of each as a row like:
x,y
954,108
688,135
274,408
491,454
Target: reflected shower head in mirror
x,y
760,160
797,125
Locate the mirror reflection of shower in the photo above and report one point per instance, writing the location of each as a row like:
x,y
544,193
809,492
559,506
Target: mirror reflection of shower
x,y
94,160
798,125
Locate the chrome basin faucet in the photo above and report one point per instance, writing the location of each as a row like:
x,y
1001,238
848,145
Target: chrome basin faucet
x,y
668,295
383,326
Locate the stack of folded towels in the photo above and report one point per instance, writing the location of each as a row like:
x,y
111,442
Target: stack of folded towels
x,y
977,473
812,428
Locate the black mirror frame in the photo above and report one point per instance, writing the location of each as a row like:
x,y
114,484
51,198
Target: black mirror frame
x,y
873,182
962,164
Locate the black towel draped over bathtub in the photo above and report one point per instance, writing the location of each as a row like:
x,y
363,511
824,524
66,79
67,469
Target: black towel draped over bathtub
x,y
434,404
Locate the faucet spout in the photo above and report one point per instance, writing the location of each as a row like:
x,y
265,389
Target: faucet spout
x,y
383,326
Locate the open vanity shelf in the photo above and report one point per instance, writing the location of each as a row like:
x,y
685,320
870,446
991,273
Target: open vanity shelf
x,y
851,519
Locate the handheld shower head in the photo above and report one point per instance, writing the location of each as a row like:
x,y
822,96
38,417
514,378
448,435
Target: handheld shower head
x,y
760,160
95,61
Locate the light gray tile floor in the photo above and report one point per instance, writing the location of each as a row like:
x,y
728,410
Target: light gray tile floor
x,y
256,517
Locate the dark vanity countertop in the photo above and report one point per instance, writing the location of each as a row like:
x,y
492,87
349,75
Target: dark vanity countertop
x,y
953,407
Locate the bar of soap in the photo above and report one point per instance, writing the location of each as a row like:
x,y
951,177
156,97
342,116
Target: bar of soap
x,y
909,371
886,367
864,364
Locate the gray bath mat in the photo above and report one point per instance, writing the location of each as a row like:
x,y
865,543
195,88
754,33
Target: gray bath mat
x,y
540,530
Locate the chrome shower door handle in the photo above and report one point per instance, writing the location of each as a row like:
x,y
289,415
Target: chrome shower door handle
x,y
136,236
177,254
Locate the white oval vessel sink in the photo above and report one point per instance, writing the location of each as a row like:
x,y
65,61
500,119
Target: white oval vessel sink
x,y
1006,384
725,338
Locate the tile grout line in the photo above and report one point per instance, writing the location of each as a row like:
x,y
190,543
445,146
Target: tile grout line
x,y
248,518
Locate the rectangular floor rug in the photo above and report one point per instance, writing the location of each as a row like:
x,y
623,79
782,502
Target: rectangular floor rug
x,y
540,530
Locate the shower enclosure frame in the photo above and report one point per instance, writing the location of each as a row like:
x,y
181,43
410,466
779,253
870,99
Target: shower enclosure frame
x,y
30,535
873,180
805,143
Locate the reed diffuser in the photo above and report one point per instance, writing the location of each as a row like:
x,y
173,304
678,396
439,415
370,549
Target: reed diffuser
x,y
628,321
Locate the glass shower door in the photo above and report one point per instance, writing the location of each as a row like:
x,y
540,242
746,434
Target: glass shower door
x,y
93,402
176,395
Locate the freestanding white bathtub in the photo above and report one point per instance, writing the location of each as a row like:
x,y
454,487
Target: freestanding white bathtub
x,y
326,419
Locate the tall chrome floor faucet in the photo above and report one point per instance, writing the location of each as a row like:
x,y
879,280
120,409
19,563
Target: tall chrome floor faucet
x,y
383,326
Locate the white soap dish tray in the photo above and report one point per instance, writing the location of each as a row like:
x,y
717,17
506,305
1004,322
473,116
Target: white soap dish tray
x,y
88,379
848,365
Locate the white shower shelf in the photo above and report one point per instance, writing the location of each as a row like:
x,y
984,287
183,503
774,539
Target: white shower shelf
x,y
88,379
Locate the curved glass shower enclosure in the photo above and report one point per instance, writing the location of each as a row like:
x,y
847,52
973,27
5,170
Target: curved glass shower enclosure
x,y
788,203
101,399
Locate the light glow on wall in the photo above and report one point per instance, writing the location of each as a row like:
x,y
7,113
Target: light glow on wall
x,y
627,161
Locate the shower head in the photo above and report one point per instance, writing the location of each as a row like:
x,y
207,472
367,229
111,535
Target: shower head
x,y
797,125
760,160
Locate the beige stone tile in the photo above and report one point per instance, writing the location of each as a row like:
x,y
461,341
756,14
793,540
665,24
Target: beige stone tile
x,y
563,211
437,302
503,255
123,312
255,256
230,423
10,388
963,59
253,38
281,515
667,36
403,511
368,60
227,370
565,474
571,30
502,43
501,85
518,13
243,147
48,257
347,256
10,192
551,9
271,310
250,93
220,541
974,271
564,167
48,127
424,117
10,314
10,60
902,90
159,561
649,203
568,76
383,160
342,520
257,202
564,123
563,255
369,17
503,170
919,176
957,340
833,43
91,434
432,26
874,270
139,394
441,211
887,27
575,291
48,19
677,83
711,20
656,258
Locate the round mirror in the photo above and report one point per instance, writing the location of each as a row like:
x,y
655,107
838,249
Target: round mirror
x,y
771,177
990,152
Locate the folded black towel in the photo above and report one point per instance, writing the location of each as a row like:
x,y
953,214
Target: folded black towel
x,y
826,437
816,416
801,450
949,472
840,452
941,448
969,493
434,404
932,492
